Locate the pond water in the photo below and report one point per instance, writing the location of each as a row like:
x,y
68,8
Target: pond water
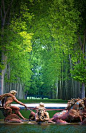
x,y
53,128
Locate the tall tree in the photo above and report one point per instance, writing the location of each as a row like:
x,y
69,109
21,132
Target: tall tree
x,y
79,60
15,43
55,36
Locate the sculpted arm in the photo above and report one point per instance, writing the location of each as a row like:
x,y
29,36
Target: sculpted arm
x,y
15,99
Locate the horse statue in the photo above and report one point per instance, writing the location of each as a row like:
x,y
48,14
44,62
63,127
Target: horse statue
x,y
84,113
74,112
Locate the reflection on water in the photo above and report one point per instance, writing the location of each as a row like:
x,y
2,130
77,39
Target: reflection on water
x,y
26,128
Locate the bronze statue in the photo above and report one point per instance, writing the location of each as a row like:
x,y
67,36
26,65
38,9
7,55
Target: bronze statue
x,y
9,110
75,112
41,115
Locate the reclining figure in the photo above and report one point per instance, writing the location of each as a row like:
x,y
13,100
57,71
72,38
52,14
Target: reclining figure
x,y
41,115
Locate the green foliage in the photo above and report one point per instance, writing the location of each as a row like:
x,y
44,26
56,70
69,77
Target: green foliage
x,y
54,36
79,72
64,20
38,41
79,54
17,45
2,66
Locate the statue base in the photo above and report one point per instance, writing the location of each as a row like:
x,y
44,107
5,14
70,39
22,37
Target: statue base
x,y
12,118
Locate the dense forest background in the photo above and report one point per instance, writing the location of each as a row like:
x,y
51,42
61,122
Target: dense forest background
x,y
43,48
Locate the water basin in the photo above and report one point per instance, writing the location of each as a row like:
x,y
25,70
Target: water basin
x,y
35,128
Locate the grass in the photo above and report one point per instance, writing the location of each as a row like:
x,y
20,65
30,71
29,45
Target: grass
x,y
43,100
1,115
27,113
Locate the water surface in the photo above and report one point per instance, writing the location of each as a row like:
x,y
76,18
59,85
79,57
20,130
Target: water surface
x,y
27,128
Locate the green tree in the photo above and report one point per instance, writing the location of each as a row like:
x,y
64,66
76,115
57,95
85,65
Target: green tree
x,y
15,43
79,60
54,37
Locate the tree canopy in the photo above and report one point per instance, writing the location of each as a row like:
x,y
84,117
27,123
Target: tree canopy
x,y
43,43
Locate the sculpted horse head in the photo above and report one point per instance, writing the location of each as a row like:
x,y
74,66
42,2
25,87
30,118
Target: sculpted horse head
x,y
75,104
79,104
70,103
76,109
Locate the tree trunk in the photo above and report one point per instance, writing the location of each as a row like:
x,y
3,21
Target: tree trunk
x,y
60,89
83,90
1,83
3,60
57,89
3,16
